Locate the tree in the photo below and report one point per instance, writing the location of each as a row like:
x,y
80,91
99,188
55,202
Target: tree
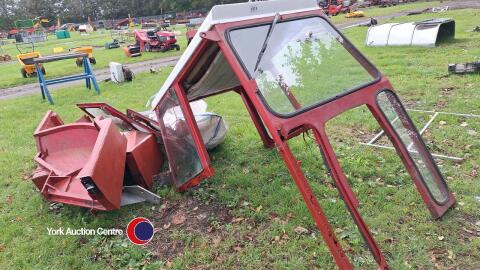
x,y
81,10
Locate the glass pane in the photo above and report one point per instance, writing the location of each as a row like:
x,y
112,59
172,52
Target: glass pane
x,y
398,118
120,123
304,63
177,137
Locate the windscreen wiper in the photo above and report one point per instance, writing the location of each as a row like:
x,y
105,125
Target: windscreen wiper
x,y
265,42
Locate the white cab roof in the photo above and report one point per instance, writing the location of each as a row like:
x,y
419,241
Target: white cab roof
x,y
232,13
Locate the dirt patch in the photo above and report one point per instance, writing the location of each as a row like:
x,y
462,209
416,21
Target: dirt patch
x,y
192,216
447,91
441,104
470,226
412,103
362,135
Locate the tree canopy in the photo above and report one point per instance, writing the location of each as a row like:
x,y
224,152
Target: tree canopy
x,y
80,10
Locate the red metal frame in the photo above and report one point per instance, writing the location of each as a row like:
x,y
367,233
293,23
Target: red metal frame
x,y
207,168
144,158
257,121
147,122
277,130
62,176
83,163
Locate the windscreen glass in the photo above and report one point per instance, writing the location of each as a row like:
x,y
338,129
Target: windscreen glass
x,y
177,136
403,126
304,63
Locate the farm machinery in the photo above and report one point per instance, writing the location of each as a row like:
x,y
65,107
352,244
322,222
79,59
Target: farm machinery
x,y
266,58
192,28
118,37
3,56
355,14
155,40
88,50
190,34
25,58
112,44
335,7
31,31
132,50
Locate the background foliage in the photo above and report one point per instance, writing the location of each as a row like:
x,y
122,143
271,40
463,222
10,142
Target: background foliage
x,y
80,10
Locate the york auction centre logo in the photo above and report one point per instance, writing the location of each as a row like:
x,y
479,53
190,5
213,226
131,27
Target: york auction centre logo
x,y
140,231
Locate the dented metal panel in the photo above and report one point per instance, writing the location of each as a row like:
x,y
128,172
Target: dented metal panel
x,y
74,162
102,175
426,33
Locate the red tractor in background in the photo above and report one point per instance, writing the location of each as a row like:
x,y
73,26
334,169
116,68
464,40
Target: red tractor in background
x,y
155,40
190,34
334,7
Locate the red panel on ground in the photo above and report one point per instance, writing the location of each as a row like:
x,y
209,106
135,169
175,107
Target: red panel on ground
x,y
81,163
106,164
144,158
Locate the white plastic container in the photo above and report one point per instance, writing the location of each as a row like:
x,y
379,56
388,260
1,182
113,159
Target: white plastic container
x,y
116,72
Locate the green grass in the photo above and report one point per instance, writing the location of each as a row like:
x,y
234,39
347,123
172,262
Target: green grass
x,y
376,12
249,176
11,76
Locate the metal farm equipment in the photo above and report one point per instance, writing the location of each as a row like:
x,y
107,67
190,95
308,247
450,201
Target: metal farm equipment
x,y
335,7
257,50
88,50
25,58
154,40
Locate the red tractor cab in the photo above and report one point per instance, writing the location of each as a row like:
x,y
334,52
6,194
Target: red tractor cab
x,y
294,71
154,40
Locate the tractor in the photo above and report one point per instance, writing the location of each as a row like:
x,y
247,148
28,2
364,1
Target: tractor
x,y
154,40
334,7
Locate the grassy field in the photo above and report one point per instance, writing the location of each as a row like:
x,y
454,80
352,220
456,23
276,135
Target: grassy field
x,y
253,216
376,12
10,75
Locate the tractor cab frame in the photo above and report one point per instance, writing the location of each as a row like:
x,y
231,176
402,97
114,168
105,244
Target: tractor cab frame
x,y
294,71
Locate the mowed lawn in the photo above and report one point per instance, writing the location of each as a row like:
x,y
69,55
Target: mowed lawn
x,y
269,226
11,76
378,11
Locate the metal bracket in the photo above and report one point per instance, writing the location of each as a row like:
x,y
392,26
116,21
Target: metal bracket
x,y
210,35
137,194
